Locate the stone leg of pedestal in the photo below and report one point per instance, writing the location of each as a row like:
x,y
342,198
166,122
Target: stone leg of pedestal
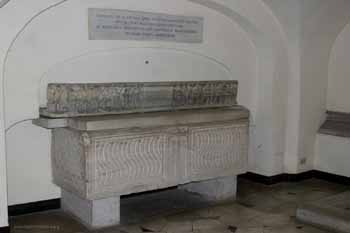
x,y
220,189
93,214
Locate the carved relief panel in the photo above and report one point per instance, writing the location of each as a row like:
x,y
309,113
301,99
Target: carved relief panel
x,y
97,163
105,163
129,163
217,150
71,100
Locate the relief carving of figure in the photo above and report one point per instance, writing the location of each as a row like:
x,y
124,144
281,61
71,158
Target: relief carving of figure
x,y
73,99
125,98
103,103
117,103
92,98
136,96
57,95
197,94
179,97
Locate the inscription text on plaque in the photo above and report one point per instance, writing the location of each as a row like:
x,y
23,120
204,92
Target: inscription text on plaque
x,y
110,24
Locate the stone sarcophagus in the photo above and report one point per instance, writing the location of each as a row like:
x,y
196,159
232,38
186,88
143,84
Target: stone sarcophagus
x,y
100,153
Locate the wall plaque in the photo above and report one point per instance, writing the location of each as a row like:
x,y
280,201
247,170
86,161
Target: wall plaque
x,y
110,24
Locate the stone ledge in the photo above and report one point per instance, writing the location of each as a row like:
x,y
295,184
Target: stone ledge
x,y
147,120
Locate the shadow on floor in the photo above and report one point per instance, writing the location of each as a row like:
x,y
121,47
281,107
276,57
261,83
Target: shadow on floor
x,y
258,209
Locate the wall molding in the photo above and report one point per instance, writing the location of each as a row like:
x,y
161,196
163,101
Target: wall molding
x,y
331,177
270,180
4,229
34,207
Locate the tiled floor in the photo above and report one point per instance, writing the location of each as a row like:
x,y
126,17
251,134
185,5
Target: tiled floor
x,y
258,209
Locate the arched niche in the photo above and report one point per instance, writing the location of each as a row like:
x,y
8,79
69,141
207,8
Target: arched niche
x,y
42,46
267,149
3,2
330,152
321,28
239,42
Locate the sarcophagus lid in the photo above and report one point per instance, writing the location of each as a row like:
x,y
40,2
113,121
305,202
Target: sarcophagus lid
x,y
72,100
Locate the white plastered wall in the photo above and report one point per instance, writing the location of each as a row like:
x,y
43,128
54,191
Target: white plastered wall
x,y
323,21
288,14
338,94
332,154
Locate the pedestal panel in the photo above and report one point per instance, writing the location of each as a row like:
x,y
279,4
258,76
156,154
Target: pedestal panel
x,y
217,151
131,163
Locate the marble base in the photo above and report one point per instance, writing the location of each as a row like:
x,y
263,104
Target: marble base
x,y
331,213
93,214
220,189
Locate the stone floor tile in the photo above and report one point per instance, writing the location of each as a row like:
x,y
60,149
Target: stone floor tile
x,y
288,208
258,209
273,220
292,228
46,222
240,222
323,185
261,201
155,225
330,213
292,194
183,216
246,188
231,215
308,190
179,227
208,224
250,230
130,229
216,230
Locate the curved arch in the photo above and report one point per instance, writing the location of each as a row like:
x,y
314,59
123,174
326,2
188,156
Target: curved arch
x,y
22,31
318,38
272,111
3,2
267,40
3,78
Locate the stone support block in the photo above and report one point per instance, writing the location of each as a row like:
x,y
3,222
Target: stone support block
x,y
93,214
220,189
